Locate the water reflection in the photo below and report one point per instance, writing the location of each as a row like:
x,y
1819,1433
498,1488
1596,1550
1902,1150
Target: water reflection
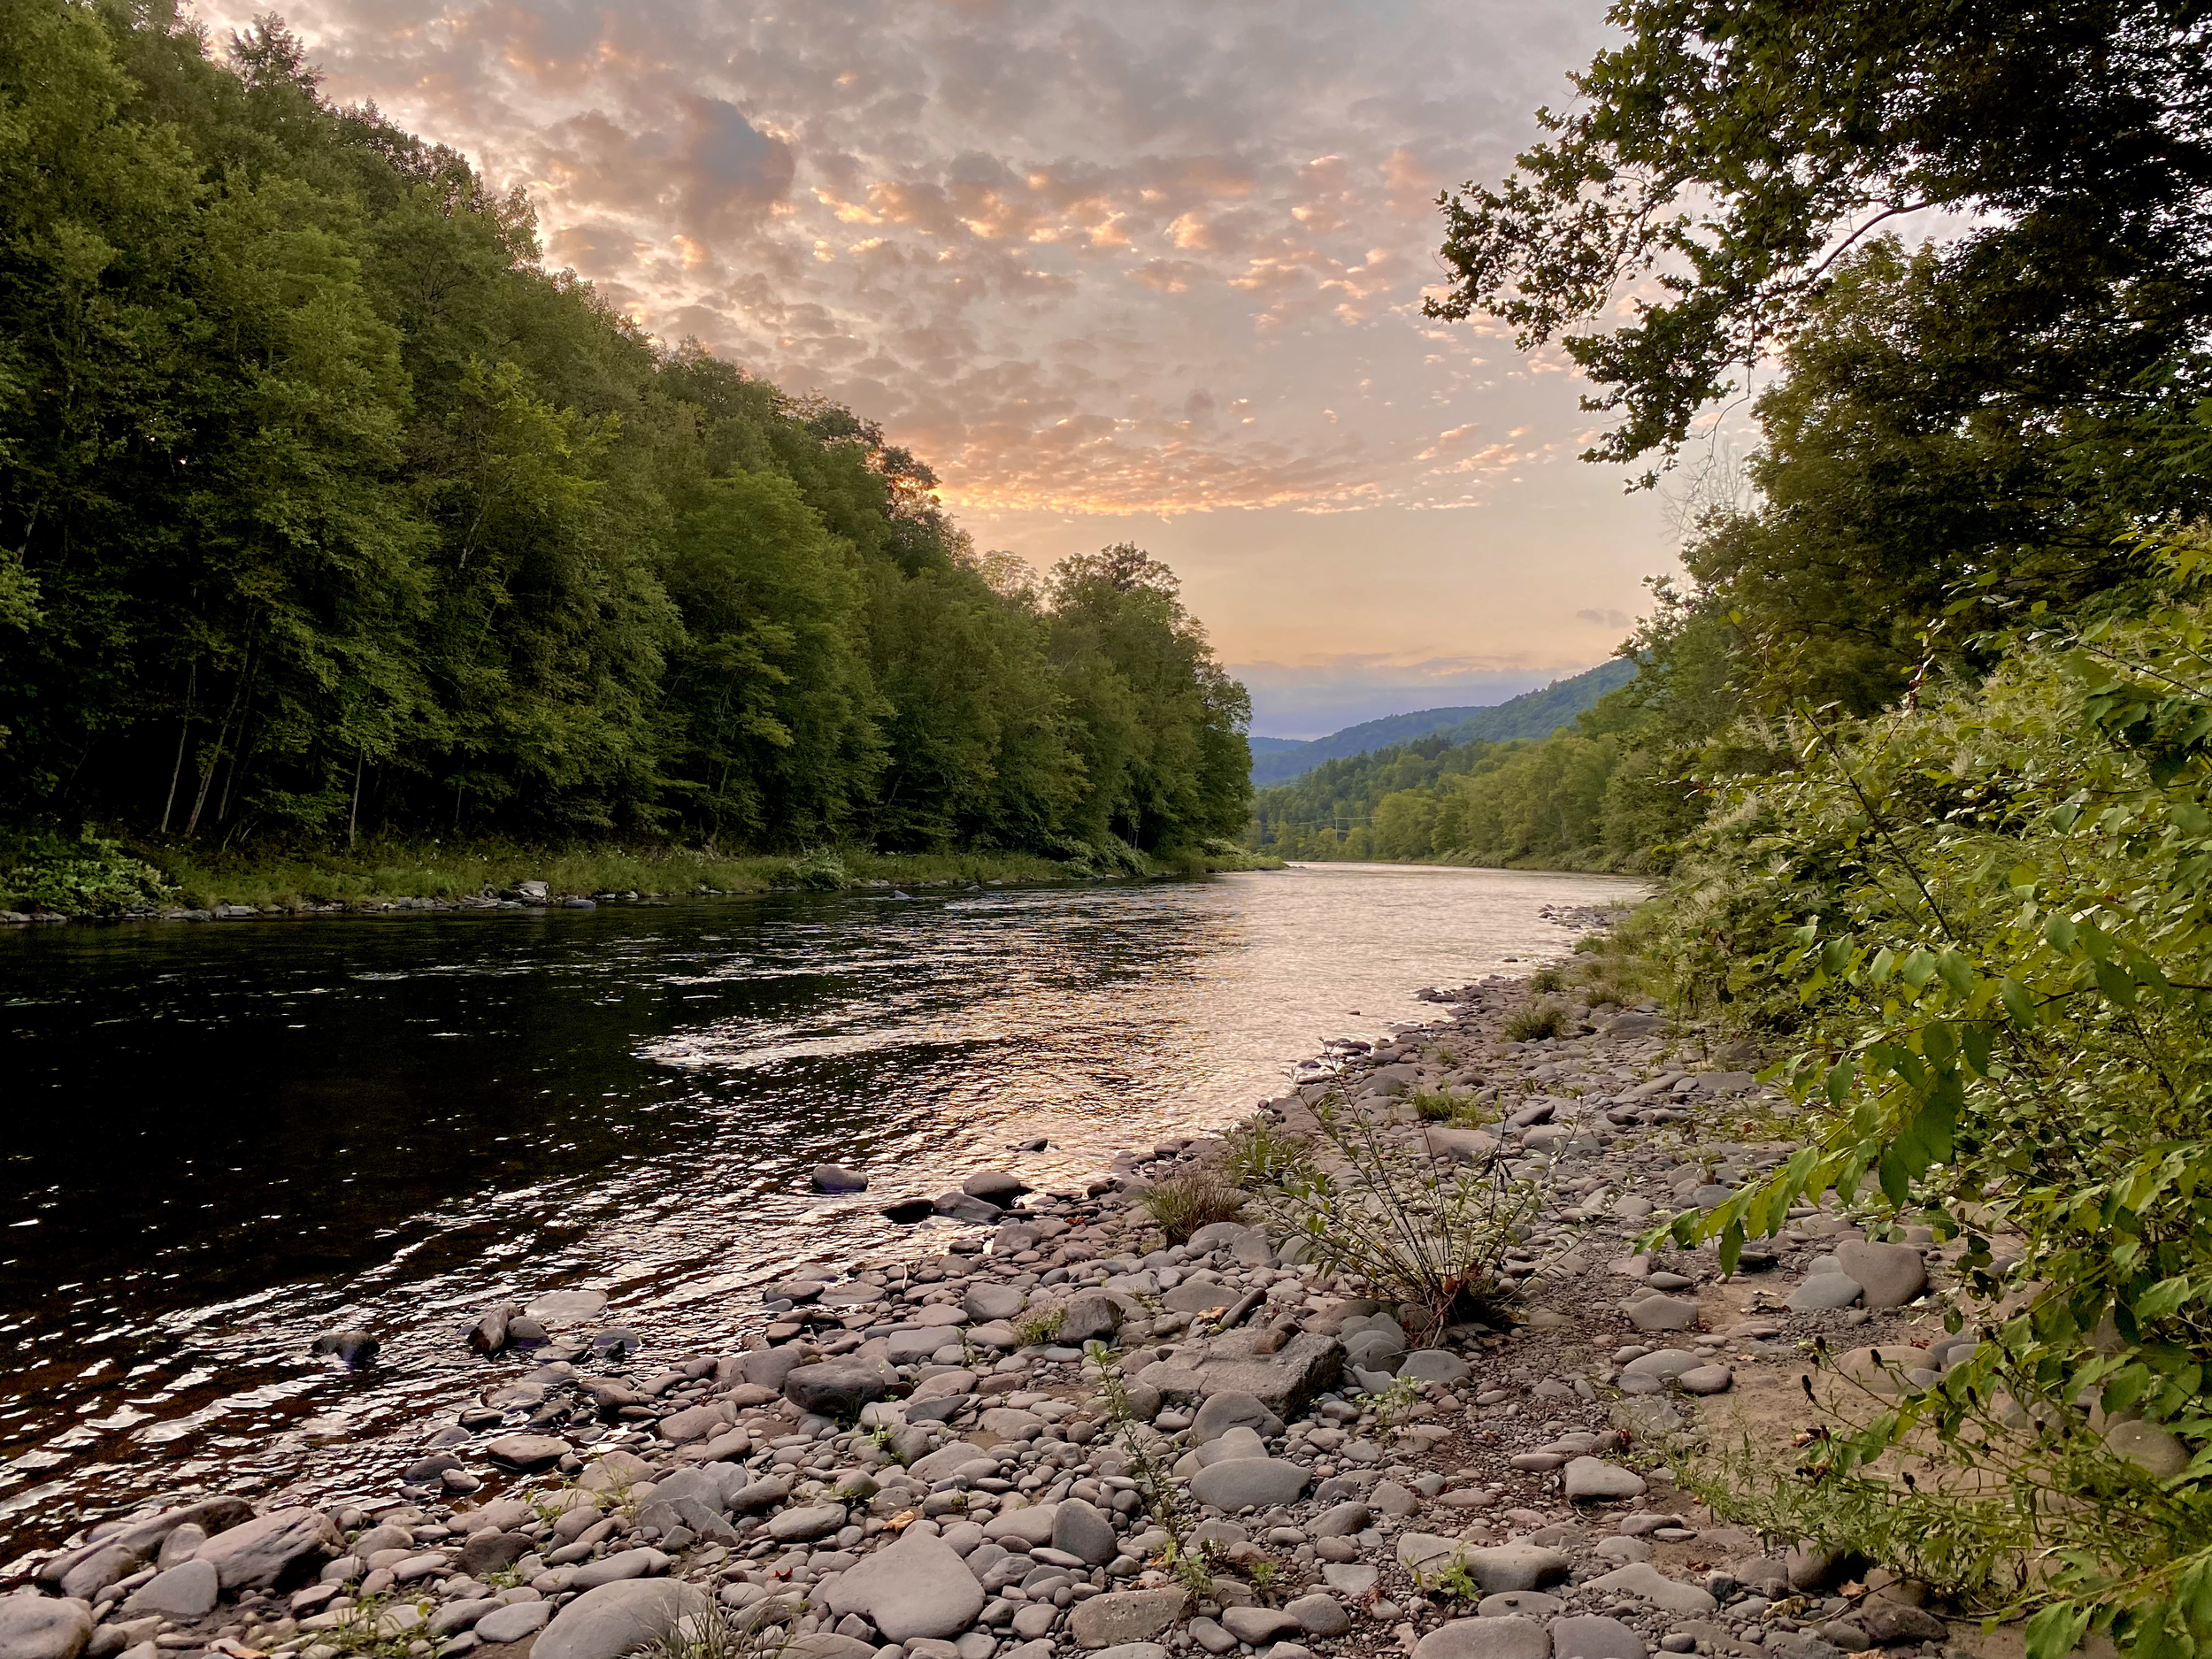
x,y
225,1139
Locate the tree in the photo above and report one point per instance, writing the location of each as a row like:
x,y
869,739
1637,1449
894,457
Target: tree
x,y
1717,165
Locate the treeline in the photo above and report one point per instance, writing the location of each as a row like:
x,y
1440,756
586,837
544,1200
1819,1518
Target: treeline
x,y
326,511
1922,744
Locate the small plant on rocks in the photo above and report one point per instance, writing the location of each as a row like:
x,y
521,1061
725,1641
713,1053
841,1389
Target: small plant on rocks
x,y
1256,1153
1426,1232
1183,1205
1037,1327
1538,1021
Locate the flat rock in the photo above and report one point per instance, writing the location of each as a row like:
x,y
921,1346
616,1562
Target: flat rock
x,y
1707,1379
835,1177
1319,1615
1534,1603
1663,1367
1197,1296
1263,1481
697,1422
513,1623
1891,1274
526,1452
624,1565
616,1619
946,1458
1891,1623
1287,1382
1663,1313
567,1307
817,1520
1822,1292
1123,1616
1593,1480
1435,1365
1033,1525
1229,1410
184,1592
1508,1638
995,1187
1260,1626
1354,1578
987,1303
1642,1580
1591,1636
270,1550
917,1587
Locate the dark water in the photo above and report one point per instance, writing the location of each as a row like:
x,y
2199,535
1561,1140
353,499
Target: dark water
x,y
223,1139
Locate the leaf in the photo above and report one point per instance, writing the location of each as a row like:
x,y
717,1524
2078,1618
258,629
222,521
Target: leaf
x,y
2019,1006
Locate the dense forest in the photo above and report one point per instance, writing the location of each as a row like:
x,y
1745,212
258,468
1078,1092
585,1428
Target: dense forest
x,y
1920,744
327,512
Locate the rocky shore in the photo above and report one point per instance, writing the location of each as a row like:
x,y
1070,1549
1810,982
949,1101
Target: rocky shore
x,y
1063,1436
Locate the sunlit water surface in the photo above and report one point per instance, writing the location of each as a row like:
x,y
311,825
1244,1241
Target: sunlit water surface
x,y
225,1139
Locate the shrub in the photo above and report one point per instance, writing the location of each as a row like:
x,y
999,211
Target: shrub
x,y
1536,1022
1444,1107
1256,1153
1546,980
1038,1326
1427,1233
87,876
1187,1202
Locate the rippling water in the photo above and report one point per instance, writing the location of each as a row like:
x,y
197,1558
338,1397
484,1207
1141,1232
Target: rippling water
x,y
224,1139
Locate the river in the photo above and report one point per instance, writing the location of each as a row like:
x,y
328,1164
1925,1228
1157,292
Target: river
x,y
224,1139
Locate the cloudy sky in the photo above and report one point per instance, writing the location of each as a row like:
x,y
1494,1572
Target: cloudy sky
x,y
1117,269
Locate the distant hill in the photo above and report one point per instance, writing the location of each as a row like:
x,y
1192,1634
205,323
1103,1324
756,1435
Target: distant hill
x,y
1532,714
1275,745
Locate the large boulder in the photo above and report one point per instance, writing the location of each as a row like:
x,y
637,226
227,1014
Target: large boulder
x,y
1090,1317
1285,1382
1891,1274
918,1587
985,1303
272,1550
1230,1410
1508,1638
34,1627
834,1388
1260,1481
187,1591
144,1537
616,1619
1079,1530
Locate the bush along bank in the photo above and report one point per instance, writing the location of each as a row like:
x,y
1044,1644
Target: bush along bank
x,y
48,878
1262,1427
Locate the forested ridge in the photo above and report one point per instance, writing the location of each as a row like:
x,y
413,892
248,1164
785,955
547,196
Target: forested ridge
x,y
326,512
1919,749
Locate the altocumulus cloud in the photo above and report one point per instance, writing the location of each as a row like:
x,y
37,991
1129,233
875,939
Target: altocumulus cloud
x,y
1088,255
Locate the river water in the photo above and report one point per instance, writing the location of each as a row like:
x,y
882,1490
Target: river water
x,y
224,1139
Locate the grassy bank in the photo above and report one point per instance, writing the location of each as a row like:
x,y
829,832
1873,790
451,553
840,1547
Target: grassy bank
x,y
95,876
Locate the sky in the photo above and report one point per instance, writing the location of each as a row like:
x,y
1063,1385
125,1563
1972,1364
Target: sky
x,y
1118,270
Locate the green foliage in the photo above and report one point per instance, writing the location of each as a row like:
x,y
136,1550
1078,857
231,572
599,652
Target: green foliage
x,y
1038,1326
1983,927
329,512
87,876
1255,1153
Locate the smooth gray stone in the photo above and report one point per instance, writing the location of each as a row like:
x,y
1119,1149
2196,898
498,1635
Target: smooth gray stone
x,y
42,1626
1319,1615
1230,1410
1262,1481
987,1303
918,1587
1082,1531
1824,1293
261,1553
185,1592
1891,1274
1591,1636
1664,1313
1534,1603
1485,1639
629,1563
512,1624
616,1619
1260,1626
1642,1578
800,1525
1354,1578
1341,1522
1707,1379
1663,1367
1435,1365
1121,1618
1593,1480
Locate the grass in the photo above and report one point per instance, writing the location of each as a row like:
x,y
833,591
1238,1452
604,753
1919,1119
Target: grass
x,y
1443,1106
1190,1201
1256,1153
1536,1022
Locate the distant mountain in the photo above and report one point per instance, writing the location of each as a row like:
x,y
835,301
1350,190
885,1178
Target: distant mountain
x,y
1532,714
1275,745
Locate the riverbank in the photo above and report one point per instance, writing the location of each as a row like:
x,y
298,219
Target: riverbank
x,y
915,1451
47,879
